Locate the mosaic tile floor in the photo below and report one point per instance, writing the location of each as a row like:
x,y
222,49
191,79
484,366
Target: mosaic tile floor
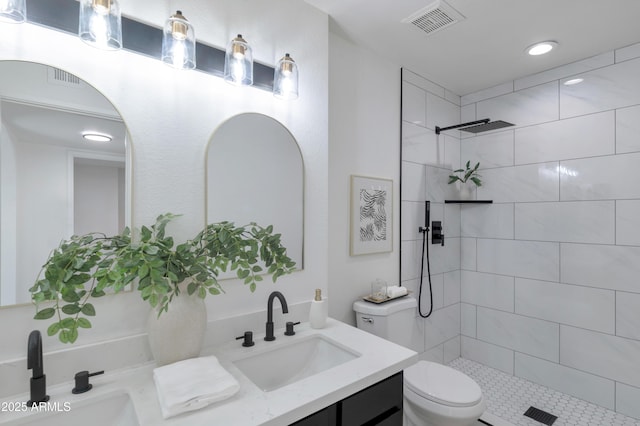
x,y
508,397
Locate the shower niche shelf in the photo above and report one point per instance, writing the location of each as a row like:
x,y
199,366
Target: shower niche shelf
x,y
468,201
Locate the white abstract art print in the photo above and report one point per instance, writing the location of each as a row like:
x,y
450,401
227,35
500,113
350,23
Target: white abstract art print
x,y
371,209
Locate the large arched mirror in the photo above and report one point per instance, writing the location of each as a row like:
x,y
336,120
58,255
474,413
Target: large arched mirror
x,y
255,173
63,169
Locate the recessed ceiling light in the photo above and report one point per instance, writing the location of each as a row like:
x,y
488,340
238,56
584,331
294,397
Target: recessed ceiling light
x,y
573,81
96,137
541,48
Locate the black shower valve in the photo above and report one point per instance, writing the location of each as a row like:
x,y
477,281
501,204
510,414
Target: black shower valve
x,y
437,237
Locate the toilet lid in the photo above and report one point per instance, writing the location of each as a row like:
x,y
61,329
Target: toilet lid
x,y
442,384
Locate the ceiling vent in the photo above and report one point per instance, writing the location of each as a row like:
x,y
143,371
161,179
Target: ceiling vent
x,y
57,76
435,17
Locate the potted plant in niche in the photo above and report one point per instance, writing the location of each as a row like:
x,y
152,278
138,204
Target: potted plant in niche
x,y
173,279
466,177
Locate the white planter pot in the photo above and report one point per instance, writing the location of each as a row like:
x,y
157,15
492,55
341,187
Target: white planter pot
x,y
466,190
178,334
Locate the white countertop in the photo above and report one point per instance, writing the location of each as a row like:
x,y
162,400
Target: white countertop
x,y
378,360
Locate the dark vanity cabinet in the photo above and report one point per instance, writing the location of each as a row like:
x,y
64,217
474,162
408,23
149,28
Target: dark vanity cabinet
x,y
379,404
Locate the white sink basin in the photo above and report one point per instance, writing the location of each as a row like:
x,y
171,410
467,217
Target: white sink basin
x,y
110,410
290,362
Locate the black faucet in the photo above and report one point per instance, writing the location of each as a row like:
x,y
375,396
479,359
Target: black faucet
x,y
269,337
38,382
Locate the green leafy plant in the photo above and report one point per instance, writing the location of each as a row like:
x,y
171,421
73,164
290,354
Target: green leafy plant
x,y
468,173
88,266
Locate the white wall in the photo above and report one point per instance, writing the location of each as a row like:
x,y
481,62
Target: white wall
x,y
550,285
7,214
364,131
170,116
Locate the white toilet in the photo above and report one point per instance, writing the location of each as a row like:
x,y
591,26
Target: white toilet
x,y
434,394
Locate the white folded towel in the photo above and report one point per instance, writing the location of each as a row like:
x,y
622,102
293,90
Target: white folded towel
x,y
396,291
192,384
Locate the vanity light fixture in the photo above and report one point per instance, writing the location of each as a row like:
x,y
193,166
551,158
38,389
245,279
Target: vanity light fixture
x,y
179,43
238,62
140,38
542,48
97,137
101,24
285,79
13,11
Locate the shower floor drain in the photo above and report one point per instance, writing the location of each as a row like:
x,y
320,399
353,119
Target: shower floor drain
x,y
541,416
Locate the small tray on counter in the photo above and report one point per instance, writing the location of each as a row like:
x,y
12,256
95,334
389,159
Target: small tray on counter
x,y
379,301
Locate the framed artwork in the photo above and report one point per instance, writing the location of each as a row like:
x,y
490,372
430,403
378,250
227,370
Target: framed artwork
x,y
371,210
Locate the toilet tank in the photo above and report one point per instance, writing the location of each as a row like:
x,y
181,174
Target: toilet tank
x,y
393,321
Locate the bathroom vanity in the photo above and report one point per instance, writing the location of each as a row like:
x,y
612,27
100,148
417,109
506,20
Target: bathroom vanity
x,y
335,375
379,404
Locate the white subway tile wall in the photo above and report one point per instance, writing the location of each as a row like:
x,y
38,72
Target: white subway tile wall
x,y
628,222
522,334
427,162
549,274
490,150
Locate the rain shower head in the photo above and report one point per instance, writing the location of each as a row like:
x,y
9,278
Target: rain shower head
x,y
476,126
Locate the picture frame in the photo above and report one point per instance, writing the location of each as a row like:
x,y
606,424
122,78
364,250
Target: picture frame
x,y
371,215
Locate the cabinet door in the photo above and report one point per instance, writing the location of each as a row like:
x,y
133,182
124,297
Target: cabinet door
x,y
379,404
326,417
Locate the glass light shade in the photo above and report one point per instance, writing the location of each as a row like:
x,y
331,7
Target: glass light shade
x,y
179,43
13,11
285,79
238,62
101,24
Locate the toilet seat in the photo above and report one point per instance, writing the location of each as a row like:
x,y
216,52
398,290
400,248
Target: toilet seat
x,y
442,384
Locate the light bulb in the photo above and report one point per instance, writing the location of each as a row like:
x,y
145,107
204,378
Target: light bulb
x,y
178,54
237,70
99,28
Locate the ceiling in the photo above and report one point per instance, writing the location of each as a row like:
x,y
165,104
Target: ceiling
x,y
44,105
487,47
64,128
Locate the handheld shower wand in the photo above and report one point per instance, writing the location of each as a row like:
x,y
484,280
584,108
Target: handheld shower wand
x,y
427,216
424,230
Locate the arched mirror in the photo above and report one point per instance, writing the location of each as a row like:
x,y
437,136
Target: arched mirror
x,y
255,173
63,169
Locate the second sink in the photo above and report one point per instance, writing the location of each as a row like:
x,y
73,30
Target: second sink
x,y
288,363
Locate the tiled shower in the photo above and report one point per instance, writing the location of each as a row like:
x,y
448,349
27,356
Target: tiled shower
x,y
544,283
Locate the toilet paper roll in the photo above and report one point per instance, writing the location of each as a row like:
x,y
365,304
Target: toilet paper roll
x,y
396,291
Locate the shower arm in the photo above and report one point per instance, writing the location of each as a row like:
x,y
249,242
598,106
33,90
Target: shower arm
x,y
457,126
